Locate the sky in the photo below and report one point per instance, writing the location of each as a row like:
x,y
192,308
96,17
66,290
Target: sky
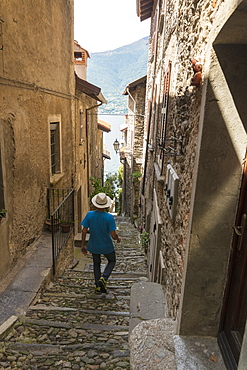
x,y
102,25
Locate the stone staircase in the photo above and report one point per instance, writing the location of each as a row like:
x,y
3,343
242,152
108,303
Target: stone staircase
x,y
70,327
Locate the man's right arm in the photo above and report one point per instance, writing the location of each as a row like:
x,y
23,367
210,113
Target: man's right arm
x,y
83,241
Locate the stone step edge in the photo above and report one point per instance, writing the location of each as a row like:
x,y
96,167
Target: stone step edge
x,y
7,326
111,278
119,297
59,324
107,297
90,295
42,349
141,274
65,309
89,286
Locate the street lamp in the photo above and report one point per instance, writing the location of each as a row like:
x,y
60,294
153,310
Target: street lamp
x,y
116,146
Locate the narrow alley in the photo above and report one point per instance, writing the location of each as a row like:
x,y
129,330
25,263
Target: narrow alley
x,y
68,326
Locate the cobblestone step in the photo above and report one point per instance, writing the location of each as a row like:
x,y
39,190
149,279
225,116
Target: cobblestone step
x,y
108,302
77,316
70,327
52,308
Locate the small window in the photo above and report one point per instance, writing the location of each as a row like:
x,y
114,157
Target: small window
x,y
1,34
55,147
162,127
79,56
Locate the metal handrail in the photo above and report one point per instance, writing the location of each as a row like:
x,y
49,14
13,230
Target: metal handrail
x,y
63,216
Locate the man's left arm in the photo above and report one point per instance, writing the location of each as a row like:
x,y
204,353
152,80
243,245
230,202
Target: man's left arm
x,y
113,227
115,236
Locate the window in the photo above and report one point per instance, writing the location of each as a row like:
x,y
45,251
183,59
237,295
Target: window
x,y
55,147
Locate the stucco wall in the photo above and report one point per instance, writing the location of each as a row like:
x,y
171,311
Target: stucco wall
x,y
27,161
37,82
37,39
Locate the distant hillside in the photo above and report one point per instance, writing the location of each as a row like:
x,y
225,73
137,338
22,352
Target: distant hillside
x,y
113,70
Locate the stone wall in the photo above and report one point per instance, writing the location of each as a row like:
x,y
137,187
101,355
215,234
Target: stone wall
x,y
183,33
134,153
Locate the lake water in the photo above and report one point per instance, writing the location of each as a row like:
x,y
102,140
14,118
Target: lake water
x,y
112,165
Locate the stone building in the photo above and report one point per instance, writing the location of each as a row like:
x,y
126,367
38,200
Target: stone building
x,y
88,159
132,151
49,131
106,155
194,194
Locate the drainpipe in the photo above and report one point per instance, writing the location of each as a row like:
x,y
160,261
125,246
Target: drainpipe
x,y
128,91
151,110
88,109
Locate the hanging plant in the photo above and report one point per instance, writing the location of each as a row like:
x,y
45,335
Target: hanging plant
x,y
144,239
3,213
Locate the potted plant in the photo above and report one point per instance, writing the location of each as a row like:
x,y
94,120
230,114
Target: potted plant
x,y
2,214
65,226
56,223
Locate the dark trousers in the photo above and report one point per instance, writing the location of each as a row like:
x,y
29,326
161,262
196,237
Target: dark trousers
x,y
111,258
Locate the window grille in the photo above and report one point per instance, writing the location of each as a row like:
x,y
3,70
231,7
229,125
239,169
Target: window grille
x,y
162,128
55,147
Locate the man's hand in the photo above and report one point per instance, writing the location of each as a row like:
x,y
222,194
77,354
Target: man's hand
x,y
115,236
84,250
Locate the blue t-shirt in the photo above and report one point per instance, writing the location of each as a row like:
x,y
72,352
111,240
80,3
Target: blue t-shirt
x,y
100,224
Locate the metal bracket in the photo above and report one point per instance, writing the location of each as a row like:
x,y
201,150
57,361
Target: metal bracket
x,y
171,146
239,230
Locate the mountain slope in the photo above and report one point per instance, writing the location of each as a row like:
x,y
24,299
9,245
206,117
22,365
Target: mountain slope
x,y
113,70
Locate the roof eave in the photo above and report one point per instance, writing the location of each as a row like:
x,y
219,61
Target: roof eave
x,y
144,9
90,89
132,85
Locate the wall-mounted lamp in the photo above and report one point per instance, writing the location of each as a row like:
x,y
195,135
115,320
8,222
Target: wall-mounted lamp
x,y
116,146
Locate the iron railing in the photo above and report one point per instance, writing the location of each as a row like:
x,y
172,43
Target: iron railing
x,y
61,219
55,198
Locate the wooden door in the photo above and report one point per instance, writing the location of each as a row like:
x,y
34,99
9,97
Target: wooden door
x,y
235,306
79,210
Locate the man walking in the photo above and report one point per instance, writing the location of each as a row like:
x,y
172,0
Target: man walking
x,y
102,229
